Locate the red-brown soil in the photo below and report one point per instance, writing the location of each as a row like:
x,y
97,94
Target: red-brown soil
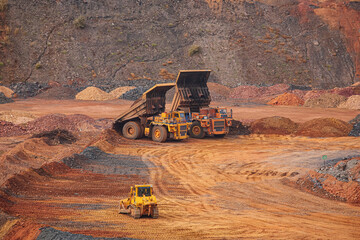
x,y
206,188
287,99
340,181
273,125
324,127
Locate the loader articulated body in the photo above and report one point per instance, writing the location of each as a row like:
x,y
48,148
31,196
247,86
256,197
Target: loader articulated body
x,y
192,96
141,202
147,117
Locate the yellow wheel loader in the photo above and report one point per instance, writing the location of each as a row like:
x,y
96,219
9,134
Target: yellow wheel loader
x,y
141,202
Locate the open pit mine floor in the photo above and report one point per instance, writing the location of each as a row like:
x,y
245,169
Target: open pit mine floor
x,y
231,188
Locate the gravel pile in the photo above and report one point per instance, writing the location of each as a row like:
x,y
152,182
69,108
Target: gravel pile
x,y
25,90
237,128
118,92
16,117
8,129
50,122
355,131
355,120
7,91
326,100
342,170
324,127
93,93
4,99
59,93
134,93
273,125
287,99
352,102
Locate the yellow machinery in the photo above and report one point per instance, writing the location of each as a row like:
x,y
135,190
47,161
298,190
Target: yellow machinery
x,y
147,117
171,125
141,202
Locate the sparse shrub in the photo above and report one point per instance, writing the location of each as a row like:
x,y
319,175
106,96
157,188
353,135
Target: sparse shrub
x,y
79,22
3,5
154,45
193,50
1,64
38,65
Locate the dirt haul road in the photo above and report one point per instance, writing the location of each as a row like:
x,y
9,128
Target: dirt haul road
x,y
211,188
236,187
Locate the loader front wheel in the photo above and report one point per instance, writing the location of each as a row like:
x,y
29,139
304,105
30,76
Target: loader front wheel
x,y
155,212
196,131
131,130
159,134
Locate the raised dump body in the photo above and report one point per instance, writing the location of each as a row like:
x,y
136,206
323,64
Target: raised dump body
x,y
192,96
191,91
151,103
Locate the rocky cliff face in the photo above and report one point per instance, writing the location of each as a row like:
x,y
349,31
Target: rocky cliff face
x,y
108,42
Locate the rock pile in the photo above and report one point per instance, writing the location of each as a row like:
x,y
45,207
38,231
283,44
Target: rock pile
x,y
93,93
287,99
273,125
25,89
352,102
340,181
324,127
4,99
237,128
326,100
135,93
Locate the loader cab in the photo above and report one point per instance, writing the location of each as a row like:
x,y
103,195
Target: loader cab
x,y
143,190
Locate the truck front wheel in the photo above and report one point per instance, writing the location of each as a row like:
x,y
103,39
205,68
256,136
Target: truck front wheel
x,y
159,134
131,130
196,131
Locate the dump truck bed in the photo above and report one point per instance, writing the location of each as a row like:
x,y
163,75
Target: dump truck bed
x,y
151,103
191,90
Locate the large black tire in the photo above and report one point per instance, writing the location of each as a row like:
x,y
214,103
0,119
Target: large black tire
x,y
196,131
219,135
131,130
155,212
159,134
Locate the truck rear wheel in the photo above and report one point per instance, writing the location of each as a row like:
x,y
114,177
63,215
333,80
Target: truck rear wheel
x,y
131,130
159,134
196,131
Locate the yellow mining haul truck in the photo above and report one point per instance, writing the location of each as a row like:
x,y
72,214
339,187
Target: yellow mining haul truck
x,y
147,116
141,202
192,96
